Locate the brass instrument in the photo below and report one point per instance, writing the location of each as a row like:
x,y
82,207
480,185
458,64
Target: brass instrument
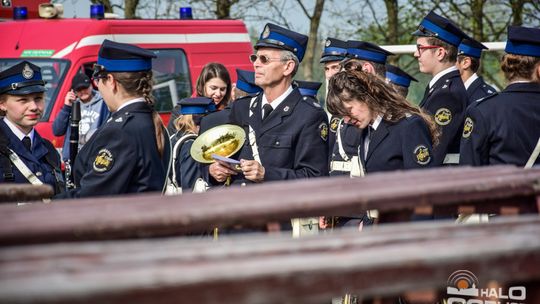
x,y
224,140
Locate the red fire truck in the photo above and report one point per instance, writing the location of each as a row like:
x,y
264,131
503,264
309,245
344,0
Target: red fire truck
x,y
63,47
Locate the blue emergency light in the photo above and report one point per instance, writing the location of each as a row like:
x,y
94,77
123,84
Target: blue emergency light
x,y
20,13
185,13
97,11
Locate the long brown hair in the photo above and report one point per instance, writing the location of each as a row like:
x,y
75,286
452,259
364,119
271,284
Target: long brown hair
x,y
215,70
377,95
140,84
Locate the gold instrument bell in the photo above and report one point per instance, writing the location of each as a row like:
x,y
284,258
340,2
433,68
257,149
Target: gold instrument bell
x,y
224,140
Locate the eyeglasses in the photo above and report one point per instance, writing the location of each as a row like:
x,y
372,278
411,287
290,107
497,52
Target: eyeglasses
x,y
262,58
420,47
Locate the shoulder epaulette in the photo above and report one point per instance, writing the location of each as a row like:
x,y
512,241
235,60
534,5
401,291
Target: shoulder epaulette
x,y
478,101
312,102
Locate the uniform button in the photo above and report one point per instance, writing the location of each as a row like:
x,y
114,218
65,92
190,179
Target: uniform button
x,y
39,173
277,143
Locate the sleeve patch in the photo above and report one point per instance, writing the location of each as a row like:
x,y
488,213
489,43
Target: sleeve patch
x,y
104,161
468,127
323,128
334,123
421,154
443,116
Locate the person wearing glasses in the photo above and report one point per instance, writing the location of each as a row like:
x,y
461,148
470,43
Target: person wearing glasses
x,y
504,128
445,97
286,134
94,112
468,63
130,153
25,157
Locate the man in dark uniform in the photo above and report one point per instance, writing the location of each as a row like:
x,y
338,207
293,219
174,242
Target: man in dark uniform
x,y
399,79
504,128
286,134
25,157
468,63
445,97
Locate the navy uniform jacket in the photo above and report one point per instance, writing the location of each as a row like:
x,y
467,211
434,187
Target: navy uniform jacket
x,y
406,144
479,89
122,156
215,119
292,140
187,169
350,138
502,128
47,171
447,101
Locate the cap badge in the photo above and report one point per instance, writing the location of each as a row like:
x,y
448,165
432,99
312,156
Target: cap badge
x,y
27,72
328,42
266,32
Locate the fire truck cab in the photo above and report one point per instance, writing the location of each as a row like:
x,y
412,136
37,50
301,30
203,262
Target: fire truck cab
x,y
64,47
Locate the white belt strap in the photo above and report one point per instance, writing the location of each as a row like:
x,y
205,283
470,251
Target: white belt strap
x,y
252,137
534,155
28,174
451,159
342,153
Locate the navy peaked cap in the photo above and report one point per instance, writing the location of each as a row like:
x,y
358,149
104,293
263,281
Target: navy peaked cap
x,y
197,105
334,50
123,57
439,27
471,47
275,36
22,79
398,77
523,41
367,51
246,81
308,88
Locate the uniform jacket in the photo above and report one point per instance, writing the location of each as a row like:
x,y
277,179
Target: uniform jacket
x,y
36,160
122,156
479,89
406,144
292,140
447,101
502,128
351,137
61,122
215,119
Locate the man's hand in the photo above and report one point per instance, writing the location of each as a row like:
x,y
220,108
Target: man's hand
x,y
70,98
252,170
220,171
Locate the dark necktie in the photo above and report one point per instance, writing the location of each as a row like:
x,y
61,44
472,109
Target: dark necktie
x,y
27,143
267,109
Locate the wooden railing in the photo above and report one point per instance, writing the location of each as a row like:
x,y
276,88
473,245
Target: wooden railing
x,y
19,193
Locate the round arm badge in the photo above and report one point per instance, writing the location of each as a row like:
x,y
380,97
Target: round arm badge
x,y
104,161
443,116
468,127
323,128
421,154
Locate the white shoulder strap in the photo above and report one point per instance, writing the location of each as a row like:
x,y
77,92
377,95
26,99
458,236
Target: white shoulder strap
x,y
177,146
342,153
252,137
534,155
28,174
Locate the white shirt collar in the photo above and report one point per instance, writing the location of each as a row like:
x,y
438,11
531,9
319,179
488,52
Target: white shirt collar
x,y
276,102
469,81
376,122
20,135
139,99
441,74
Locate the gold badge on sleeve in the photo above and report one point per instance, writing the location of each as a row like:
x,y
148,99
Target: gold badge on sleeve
x,y
443,116
104,161
421,153
323,128
334,123
468,127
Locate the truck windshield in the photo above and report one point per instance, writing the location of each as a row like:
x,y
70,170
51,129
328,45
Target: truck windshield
x,y
53,72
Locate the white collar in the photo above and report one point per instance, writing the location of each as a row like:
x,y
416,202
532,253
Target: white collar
x,y
469,81
276,102
127,103
376,122
20,135
441,74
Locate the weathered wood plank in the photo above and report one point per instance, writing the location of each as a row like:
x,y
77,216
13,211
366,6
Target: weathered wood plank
x,y
385,261
17,193
152,215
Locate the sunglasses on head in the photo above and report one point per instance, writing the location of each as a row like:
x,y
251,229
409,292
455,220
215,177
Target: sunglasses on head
x,y
262,58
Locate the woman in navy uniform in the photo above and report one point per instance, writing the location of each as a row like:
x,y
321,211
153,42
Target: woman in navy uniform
x,y
504,128
130,153
395,134
21,103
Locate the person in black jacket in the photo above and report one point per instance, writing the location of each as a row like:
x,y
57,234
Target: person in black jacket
x,y
131,152
445,97
25,157
504,128
468,63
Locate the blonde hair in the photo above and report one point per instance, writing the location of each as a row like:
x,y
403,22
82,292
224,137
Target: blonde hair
x,y
185,124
